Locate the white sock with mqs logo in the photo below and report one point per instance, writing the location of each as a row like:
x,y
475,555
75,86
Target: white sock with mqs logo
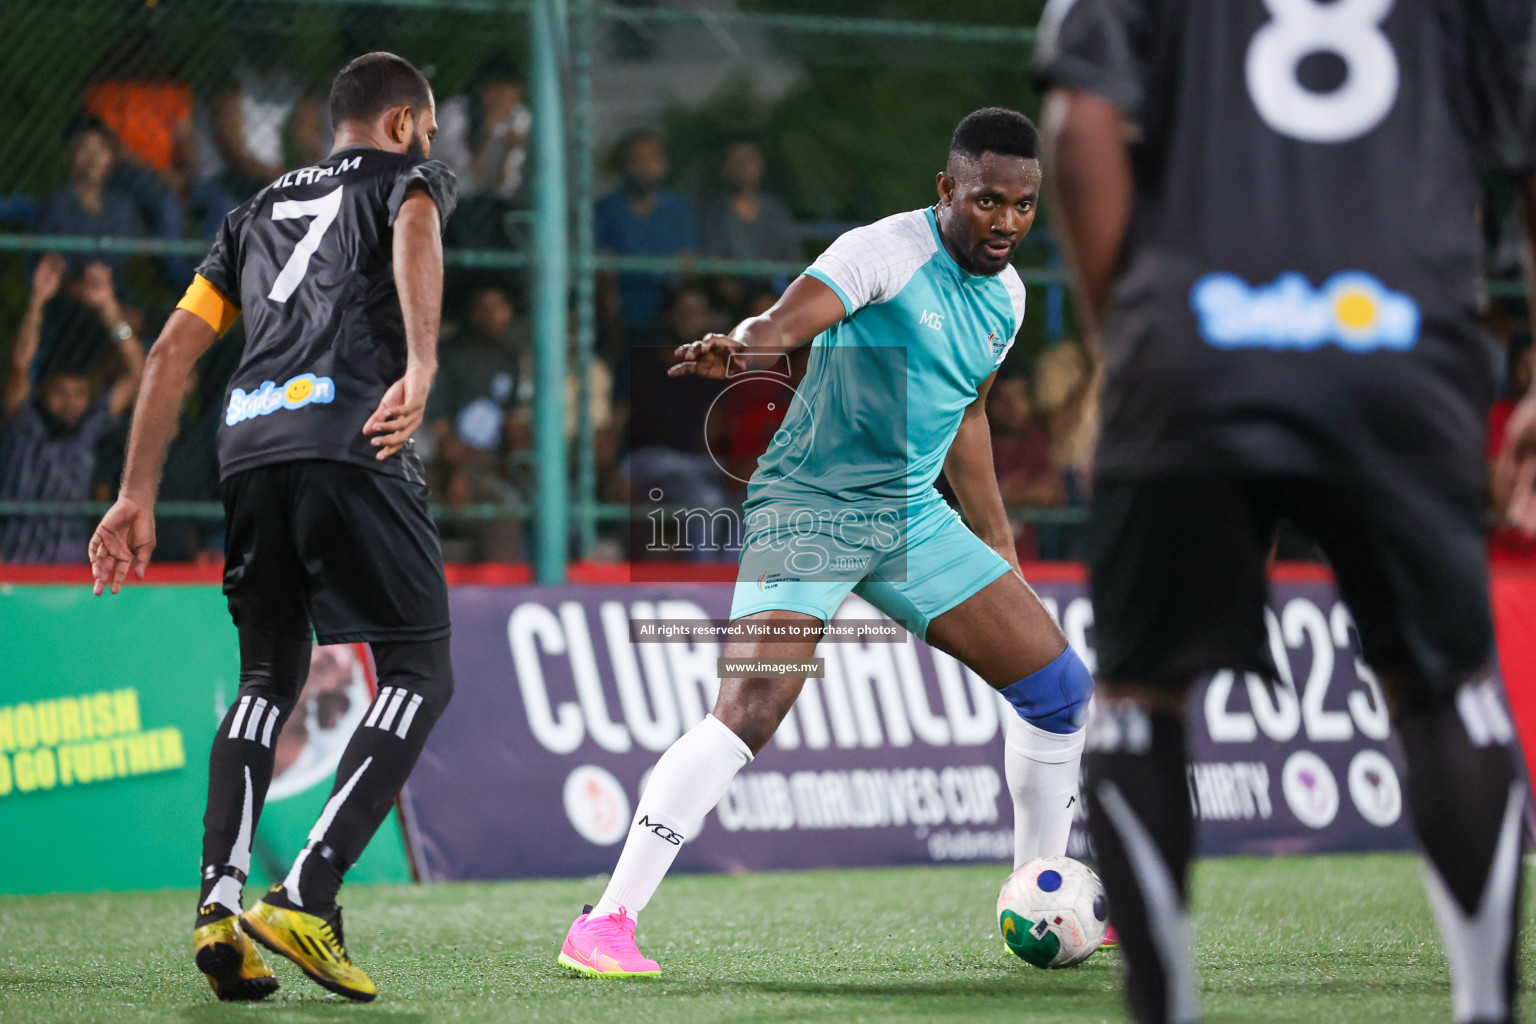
x,y
686,783
1042,769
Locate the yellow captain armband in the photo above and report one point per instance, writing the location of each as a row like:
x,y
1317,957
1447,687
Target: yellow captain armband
x,y
209,305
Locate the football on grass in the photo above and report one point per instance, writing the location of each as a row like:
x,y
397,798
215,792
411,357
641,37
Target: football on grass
x,y
1052,912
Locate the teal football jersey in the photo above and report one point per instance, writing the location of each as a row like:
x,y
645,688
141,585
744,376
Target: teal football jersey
x,y
885,388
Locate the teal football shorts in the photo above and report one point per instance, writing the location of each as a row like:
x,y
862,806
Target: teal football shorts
x,y
913,567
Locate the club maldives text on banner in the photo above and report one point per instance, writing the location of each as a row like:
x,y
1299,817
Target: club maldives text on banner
x,y
894,756
107,713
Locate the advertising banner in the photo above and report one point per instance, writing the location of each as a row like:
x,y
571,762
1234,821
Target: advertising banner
x,y
108,708
893,755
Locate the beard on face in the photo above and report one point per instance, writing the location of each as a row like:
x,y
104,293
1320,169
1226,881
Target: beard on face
x,y
57,427
981,261
981,258
416,147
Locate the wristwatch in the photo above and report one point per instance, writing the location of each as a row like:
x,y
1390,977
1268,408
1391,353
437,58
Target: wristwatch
x,y
122,332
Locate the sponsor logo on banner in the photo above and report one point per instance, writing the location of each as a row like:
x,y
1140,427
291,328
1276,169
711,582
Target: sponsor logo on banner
x,y
1373,786
893,756
1310,789
1230,791
596,805
82,740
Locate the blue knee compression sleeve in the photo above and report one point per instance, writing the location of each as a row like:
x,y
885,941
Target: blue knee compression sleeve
x,y
1056,697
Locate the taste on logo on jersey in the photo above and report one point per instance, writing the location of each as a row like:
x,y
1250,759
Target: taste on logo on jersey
x,y
269,398
1352,310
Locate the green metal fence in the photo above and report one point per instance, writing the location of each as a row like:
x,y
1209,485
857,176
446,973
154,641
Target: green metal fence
x,y
207,99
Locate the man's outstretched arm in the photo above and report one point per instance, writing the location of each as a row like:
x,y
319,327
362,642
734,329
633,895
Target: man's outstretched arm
x,y
1088,180
126,536
806,308
970,471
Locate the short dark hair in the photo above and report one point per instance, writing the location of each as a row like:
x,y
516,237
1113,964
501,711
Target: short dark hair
x,y
995,130
374,83
80,124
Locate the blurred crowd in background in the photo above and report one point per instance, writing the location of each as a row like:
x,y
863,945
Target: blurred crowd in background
x,y
146,159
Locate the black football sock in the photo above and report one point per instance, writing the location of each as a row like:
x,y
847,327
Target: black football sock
x,y
272,669
1139,818
1467,799
415,685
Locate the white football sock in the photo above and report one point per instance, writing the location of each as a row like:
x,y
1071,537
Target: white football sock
x,y
686,783
226,891
1042,769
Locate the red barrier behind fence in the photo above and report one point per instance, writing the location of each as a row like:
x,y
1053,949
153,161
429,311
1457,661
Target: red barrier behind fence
x,y
1514,616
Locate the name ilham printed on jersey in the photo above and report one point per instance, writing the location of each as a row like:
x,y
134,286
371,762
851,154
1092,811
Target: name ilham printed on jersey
x,y
308,262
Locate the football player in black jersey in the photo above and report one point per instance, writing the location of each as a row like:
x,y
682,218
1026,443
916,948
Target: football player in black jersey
x,y
338,271
1271,208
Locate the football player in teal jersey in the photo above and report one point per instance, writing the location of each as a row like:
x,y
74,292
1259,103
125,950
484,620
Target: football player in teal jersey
x,y
908,320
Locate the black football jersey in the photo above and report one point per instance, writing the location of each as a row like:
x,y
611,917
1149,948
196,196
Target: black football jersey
x,y
309,261
1302,276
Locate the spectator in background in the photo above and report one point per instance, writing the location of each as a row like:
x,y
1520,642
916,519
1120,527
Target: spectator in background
x,y
669,417
1026,475
470,420
504,126
138,96
49,449
139,92
88,204
149,124
1066,388
1505,543
309,133
483,136
606,417
248,129
71,330
743,222
640,219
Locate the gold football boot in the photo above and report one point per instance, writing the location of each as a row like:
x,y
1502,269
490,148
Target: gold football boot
x,y
231,960
313,943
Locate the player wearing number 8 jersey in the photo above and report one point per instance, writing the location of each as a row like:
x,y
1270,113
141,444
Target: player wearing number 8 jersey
x,y
1287,263
338,271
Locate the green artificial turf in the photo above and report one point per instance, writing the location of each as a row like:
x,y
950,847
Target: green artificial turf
x,y
1331,939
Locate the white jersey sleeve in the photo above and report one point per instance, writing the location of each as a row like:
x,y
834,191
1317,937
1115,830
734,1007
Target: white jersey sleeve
x,y
1015,285
869,265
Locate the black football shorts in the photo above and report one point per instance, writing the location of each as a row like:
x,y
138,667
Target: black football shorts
x,y
333,546
1178,570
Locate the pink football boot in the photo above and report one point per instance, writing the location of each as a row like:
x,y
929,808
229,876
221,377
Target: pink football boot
x,y
604,947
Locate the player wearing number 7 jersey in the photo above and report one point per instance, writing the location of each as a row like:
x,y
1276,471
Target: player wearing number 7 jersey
x,y
1273,208
338,271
